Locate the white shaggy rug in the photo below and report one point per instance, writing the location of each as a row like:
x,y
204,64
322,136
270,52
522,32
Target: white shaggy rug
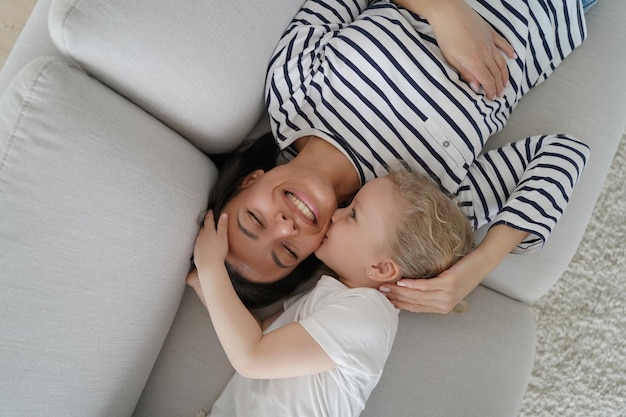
x,y
580,364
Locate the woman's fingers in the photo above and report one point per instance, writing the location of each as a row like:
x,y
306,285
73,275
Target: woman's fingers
x,y
496,75
419,295
503,45
415,308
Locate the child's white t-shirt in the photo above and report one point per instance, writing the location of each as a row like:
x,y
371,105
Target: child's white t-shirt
x,y
356,327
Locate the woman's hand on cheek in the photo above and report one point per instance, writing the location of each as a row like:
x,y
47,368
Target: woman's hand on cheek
x,y
211,245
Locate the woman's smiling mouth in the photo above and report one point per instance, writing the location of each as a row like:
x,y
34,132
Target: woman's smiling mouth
x,y
301,206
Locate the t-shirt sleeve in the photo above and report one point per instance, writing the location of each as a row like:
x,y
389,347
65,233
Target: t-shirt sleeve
x,y
356,330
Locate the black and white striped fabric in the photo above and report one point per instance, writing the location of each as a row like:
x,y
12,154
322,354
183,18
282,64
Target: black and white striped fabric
x,y
369,78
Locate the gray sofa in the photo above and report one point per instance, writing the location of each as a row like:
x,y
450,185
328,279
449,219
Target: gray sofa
x,y
107,108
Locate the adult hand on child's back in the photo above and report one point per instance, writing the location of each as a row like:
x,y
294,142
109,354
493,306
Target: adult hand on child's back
x,y
435,295
442,293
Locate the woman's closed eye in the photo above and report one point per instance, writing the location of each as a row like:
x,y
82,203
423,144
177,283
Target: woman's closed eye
x,y
352,214
255,219
290,251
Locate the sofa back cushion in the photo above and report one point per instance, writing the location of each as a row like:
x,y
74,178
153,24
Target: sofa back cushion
x,y
198,66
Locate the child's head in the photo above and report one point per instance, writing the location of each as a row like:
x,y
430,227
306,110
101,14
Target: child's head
x,y
433,232
397,226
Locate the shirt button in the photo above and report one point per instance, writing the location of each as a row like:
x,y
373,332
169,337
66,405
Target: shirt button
x,y
446,143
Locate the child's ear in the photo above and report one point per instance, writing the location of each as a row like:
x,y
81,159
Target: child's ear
x,y
251,177
387,270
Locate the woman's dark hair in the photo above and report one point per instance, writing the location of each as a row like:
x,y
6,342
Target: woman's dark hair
x,y
233,167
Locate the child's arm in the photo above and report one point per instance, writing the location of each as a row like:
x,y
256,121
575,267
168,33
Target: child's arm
x,y
194,282
285,352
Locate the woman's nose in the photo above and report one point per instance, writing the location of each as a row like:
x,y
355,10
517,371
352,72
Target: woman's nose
x,y
284,225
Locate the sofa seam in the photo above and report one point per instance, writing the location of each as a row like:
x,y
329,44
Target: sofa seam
x,y
23,107
66,16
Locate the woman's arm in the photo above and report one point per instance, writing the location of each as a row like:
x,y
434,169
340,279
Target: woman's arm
x,y
522,189
467,42
285,352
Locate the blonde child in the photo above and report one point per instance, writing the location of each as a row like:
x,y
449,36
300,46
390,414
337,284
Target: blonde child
x,y
325,352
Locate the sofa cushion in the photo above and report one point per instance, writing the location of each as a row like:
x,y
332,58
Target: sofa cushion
x,y
483,357
34,42
99,204
197,66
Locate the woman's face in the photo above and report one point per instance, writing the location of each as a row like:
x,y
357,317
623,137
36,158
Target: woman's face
x,y
277,219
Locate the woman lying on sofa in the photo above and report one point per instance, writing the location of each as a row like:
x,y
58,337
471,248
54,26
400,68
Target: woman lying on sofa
x,y
355,85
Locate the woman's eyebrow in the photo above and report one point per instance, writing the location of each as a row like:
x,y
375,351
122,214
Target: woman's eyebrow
x,y
246,231
278,262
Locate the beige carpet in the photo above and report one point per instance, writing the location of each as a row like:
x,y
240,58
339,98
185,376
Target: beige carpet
x,y
580,365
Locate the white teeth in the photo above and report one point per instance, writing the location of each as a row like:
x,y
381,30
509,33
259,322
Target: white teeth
x,y
300,205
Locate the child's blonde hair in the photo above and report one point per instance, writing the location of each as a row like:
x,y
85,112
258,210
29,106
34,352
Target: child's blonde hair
x,y
433,233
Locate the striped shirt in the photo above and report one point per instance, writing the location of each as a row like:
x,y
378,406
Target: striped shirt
x,y
369,78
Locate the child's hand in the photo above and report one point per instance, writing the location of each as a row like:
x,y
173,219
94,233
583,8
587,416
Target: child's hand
x,y
211,244
194,282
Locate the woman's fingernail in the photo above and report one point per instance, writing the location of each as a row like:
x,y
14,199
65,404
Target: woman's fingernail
x,y
384,289
474,87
